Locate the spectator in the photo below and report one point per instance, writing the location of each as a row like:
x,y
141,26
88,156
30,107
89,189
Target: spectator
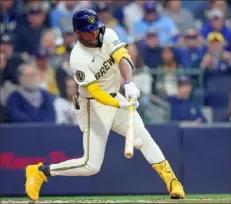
x,y
29,103
48,40
28,35
141,71
169,58
216,24
141,74
65,110
203,9
150,49
118,11
69,37
54,3
135,55
183,108
136,7
9,79
62,14
64,72
47,78
223,6
216,60
153,19
71,88
9,16
13,59
109,21
56,53
192,52
167,84
182,18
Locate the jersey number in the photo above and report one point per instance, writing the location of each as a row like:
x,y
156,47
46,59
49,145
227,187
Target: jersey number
x,y
80,76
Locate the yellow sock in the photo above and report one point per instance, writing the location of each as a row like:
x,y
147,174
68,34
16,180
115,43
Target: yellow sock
x,y
165,172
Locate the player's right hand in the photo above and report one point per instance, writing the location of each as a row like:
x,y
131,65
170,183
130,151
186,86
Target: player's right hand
x,y
126,104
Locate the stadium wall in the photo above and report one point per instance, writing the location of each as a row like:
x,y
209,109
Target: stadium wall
x,y
200,157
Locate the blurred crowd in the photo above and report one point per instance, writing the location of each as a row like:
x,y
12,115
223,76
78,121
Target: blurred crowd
x,y
181,51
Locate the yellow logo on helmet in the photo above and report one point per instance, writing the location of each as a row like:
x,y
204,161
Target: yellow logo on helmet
x,y
91,19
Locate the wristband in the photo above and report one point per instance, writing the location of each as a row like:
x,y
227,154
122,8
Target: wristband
x,y
127,82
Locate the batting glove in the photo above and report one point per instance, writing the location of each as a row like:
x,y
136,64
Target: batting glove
x,y
131,91
126,104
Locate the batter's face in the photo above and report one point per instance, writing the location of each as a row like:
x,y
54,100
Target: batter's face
x,y
89,39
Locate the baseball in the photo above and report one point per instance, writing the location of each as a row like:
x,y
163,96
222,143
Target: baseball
x,y
138,143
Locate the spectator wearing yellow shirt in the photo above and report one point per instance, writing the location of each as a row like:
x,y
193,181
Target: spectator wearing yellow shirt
x,y
46,72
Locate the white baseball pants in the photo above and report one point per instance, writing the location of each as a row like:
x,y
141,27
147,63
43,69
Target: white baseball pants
x,y
96,121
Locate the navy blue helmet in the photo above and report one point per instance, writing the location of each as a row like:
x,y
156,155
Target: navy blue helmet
x,y
86,20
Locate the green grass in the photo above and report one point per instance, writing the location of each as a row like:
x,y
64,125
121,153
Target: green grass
x,y
125,197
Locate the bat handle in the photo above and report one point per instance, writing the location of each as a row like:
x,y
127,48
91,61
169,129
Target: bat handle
x,y
131,108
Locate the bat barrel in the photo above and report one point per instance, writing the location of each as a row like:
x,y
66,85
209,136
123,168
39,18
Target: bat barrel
x,y
129,147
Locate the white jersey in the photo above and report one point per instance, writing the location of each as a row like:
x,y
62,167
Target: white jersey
x,y
91,65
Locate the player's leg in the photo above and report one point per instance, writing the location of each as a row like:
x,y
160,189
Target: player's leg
x,y
150,150
95,121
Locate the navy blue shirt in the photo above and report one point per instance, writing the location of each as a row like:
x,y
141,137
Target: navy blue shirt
x,y
185,110
20,110
221,68
150,56
191,57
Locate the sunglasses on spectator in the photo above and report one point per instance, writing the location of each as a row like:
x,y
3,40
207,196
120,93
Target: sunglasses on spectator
x,y
191,37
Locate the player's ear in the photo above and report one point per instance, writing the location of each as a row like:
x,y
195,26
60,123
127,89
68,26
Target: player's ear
x,y
77,32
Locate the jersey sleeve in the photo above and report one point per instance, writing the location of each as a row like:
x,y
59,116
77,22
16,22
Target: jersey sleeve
x,y
112,41
82,74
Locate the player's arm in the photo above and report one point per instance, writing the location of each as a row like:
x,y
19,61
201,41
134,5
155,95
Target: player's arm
x,y
123,59
101,96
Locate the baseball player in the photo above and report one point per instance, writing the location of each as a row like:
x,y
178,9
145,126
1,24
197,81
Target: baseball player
x,y
98,61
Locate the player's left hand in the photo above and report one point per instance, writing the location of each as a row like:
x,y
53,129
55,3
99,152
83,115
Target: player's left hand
x,y
131,91
126,104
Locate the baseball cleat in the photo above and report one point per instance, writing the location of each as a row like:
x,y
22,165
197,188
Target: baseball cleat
x,y
177,191
174,187
34,181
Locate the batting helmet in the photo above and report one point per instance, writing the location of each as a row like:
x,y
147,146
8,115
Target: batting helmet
x,y
86,20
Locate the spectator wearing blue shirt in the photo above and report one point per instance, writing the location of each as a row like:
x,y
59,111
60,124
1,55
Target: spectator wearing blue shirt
x,y
14,59
29,103
109,21
216,61
9,16
28,35
153,19
61,15
192,52
150,49
183,108
216,24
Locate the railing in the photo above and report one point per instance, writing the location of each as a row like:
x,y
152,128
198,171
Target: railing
x,y
158,110
196,75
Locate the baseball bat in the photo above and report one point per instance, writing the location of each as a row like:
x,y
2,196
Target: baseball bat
x,y
129,147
